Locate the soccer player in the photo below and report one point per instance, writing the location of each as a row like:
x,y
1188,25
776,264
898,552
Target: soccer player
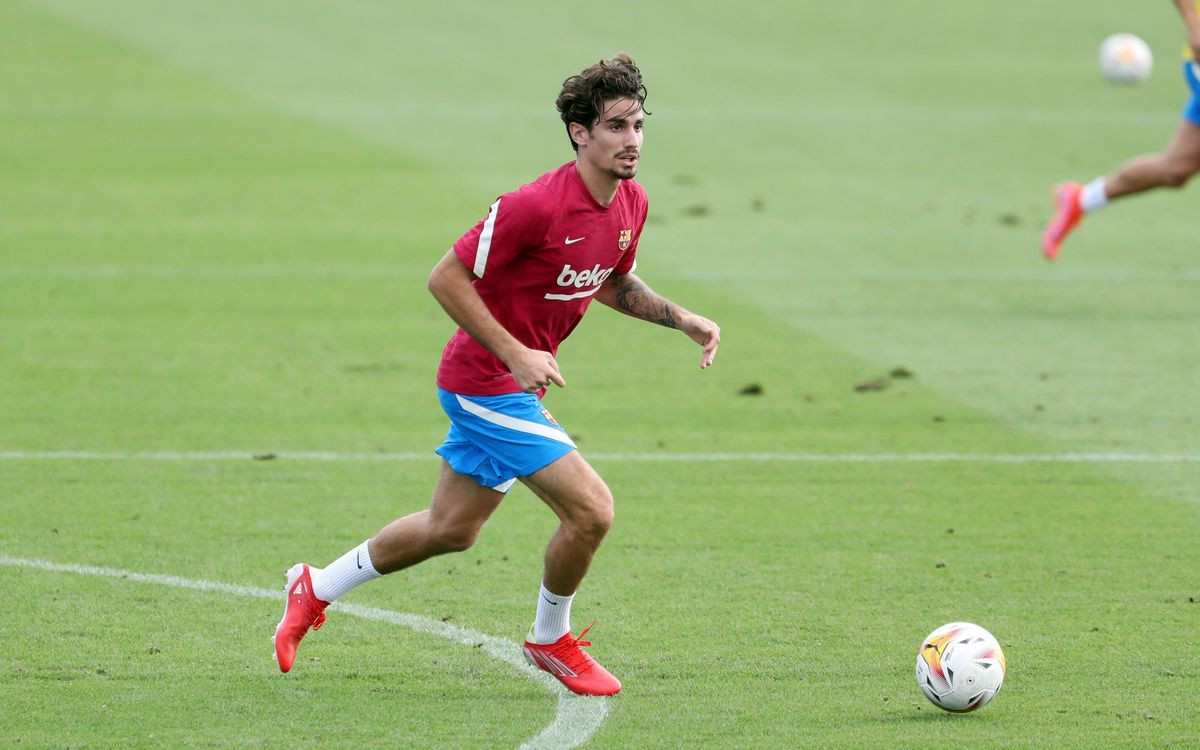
x,y
1171,168
517,284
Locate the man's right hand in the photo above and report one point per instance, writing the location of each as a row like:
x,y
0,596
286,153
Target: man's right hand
x,y
534,370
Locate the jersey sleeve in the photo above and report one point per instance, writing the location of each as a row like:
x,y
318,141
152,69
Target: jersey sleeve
x,y
516,222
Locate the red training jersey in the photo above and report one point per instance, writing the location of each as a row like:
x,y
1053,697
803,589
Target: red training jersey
x,y
539,256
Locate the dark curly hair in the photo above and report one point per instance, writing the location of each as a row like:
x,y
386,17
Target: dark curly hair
x,y
583,96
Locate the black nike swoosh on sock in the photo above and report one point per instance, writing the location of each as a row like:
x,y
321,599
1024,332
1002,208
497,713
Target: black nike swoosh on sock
x,y
357,558
553,603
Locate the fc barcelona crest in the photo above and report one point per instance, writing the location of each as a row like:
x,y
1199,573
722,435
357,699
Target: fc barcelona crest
x,y
625,239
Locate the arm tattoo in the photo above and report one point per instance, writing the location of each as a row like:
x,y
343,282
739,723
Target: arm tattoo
x,y
634,297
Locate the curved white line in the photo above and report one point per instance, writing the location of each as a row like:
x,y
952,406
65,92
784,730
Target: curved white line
x,y
576,718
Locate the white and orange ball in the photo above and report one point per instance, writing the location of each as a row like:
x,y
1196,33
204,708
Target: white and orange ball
x,y
1125,58
960,667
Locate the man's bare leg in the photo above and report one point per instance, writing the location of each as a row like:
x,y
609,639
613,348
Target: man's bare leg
x,y
451,523
584,506
1171,168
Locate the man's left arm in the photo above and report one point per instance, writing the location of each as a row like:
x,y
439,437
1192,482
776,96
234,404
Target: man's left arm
x,y
629,294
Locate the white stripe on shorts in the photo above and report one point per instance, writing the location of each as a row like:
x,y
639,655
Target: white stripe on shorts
x,y
512,423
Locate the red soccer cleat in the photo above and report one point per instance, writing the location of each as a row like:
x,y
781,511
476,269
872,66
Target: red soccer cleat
x,y
571,665
1067,214
303,610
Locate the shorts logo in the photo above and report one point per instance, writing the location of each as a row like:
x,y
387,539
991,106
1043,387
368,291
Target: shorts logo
x,y
625,239
549,417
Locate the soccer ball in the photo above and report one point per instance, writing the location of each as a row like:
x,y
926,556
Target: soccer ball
x,y
960,667
1125,58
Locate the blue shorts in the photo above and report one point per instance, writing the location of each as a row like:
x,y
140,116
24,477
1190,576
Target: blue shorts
x,y
495,439
1191,73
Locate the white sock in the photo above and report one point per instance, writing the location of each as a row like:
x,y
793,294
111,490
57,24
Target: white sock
x,y
1093,196
344,574
553,617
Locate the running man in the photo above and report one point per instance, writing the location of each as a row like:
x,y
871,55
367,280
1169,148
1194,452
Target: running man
x,y
1171,168
517,284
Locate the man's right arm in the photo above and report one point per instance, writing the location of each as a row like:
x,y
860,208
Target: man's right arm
x,y
450,284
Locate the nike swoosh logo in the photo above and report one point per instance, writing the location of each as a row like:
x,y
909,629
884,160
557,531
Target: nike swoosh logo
x,y
358,558
543,595
572,241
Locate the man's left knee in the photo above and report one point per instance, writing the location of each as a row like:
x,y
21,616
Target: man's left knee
x,y
595,517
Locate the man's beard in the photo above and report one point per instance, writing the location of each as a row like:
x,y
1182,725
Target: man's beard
x,y
623,172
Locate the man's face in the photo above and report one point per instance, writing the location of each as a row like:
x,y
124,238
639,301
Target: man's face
x,y
614,143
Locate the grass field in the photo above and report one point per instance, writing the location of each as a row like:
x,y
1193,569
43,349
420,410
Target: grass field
x,y
216,220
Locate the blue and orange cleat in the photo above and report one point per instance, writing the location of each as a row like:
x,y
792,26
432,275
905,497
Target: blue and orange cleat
x,y
1067,214
302,610
571,665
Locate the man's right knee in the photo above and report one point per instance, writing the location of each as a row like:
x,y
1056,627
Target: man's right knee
x,y
459,509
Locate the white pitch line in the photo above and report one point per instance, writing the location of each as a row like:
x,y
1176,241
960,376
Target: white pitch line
x,y
1001,276
212,456
576,719
753,457
897,275
198,272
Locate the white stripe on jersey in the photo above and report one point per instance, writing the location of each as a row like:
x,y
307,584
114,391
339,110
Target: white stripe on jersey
x,y
485,239
577,295
512,423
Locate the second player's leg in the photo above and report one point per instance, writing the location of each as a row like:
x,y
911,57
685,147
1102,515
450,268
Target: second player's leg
x,y
459,509
1171,168
584,506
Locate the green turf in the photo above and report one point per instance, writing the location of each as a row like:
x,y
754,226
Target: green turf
x,y
216,219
